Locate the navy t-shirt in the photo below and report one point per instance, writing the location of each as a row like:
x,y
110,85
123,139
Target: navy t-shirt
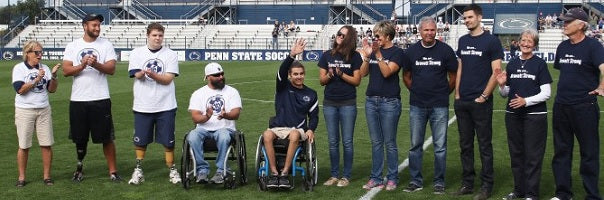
x,y
338,89
579,72
476,54
385,87
429,71
524,77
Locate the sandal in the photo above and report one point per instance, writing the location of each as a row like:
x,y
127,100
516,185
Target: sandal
x,y
49,182
20,183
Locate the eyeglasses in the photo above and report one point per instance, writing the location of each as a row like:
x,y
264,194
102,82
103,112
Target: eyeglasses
x,y
341,34
217,75
39,53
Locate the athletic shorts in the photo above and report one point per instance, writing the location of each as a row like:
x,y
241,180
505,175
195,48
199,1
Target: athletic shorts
x,y
283,132
28,119
160,124
91,118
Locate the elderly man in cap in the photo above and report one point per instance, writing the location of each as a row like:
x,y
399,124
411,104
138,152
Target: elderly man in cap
x,y
89,60
214,108
576,111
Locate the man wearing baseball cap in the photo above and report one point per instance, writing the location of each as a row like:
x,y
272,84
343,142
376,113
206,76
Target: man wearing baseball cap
x,y
89,60
576,111
214,108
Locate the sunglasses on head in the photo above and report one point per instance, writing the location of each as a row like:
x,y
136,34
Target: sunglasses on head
x,y
36,52
341,34
217,75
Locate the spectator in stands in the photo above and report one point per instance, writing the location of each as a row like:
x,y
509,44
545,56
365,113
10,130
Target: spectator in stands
x,y
429,73
414,30
339,73
277,24
548,21
382,61
292,26
480,54
409,31
275,35
526,82
369,33
32,82
297,29
576,111
601,24
513,48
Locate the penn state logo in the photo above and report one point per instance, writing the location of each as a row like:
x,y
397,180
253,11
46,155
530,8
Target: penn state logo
x,y
306,98
194,55
7,55
39,87
136,139
155,65
216,103
516,23
312,56
87,51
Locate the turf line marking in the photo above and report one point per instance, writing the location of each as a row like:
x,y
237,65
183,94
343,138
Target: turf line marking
x,y
371,193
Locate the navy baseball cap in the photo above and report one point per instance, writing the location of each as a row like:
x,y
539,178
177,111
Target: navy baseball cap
x,y
574,13
92,16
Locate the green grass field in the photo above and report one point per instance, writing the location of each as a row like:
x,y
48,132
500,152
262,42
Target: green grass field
x,y
255,82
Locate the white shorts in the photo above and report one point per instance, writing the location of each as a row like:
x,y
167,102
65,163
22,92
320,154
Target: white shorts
x,y
283,132
28,119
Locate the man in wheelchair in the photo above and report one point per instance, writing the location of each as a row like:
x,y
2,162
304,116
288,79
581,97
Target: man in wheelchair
x,y
214,108
297,115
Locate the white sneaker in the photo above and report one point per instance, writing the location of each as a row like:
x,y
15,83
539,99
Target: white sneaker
x,y
137,177
174,176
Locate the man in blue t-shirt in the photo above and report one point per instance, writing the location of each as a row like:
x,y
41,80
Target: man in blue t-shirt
x,y
480,55
425,73
576,110
297,115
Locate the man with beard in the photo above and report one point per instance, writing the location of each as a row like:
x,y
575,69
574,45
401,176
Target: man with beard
x,y
214,108
480,55
89,60
154,68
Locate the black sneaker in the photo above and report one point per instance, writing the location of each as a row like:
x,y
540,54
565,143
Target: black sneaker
x,y
78,176
115,177
439,189
512,195
273,181
412,187
484,194
464,190
284,181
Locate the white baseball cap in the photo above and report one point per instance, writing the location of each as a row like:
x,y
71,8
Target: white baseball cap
x,y
212,68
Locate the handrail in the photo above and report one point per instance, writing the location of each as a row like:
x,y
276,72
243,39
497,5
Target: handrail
x,y
375,11
145,10
73,9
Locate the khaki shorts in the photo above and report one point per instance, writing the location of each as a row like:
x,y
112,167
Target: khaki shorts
x,y
28,119
283,132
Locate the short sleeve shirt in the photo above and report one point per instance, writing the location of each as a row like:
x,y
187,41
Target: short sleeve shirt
x,y
228,98
37,97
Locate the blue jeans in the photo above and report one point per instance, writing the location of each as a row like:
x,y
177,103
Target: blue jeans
x,y
382,115
223,140
343,117
418,117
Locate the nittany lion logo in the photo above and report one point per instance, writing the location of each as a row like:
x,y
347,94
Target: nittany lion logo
x,y
155,65
216,103
38,87
87,51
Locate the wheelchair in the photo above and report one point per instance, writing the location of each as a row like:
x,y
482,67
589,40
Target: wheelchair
x,y
304,163
235,153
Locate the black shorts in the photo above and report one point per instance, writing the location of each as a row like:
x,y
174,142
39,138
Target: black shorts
x,y
92,117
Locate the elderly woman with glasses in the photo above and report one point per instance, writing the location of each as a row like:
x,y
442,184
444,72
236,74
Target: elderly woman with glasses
x,y
33,81
382,61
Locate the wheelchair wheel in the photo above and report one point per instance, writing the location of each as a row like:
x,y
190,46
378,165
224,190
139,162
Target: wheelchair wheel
x,y
187,168
311,177
261,176
241,158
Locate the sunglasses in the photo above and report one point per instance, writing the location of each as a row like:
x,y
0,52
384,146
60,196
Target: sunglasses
x,y
36,52
217,75
340,34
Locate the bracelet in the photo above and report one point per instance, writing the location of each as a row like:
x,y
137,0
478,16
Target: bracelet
x,y
485,97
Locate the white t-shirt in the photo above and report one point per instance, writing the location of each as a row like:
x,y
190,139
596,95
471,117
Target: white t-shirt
x,y
227,98
90,84
149,95
37,97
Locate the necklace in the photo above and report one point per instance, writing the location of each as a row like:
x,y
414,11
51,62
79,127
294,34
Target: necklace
x,y
523,62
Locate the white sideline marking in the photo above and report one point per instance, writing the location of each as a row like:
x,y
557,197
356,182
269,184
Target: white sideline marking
x,y
371,193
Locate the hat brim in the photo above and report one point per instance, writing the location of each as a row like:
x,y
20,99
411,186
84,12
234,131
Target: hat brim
x,y
566,18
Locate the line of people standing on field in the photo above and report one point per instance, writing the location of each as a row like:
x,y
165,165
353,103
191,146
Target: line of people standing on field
x,y
431,71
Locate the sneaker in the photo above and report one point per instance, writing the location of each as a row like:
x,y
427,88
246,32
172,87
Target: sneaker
x,y
174,176
201,178
439,189
284,181
273,181
463,190
483,194
217,178
556,198
390,185
137,177
343,182
115,177
372,184
529,198
510,196
331,181
412,187
78,176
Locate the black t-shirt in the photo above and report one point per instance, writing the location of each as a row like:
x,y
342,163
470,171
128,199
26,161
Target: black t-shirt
x,y
476,54
579,72
385,87
525,77
337,89
429,71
